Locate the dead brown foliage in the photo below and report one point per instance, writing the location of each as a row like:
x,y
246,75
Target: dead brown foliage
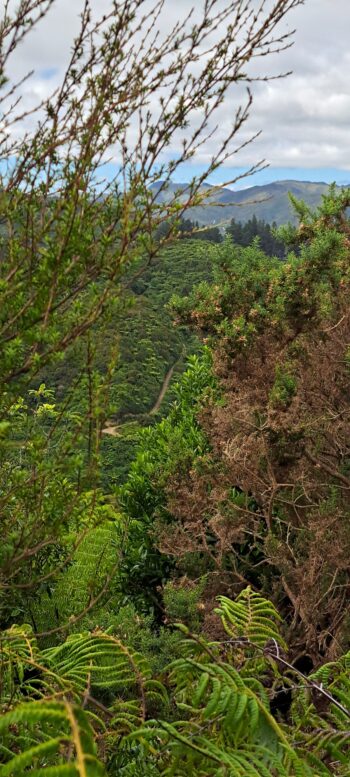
x,y
289,461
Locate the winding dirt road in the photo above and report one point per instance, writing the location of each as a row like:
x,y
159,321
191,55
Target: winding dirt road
x,y
113,430
163,390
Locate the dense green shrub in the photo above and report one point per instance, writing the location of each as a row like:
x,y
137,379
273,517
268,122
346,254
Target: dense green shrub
x,y
165,449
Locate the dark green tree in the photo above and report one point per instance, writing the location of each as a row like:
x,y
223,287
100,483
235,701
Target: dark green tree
x,y
244,234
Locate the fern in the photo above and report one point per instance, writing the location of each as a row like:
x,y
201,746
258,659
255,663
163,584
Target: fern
x,y
226,727
60,733
92,562
221,722
18,649
251,617
65,741
324,706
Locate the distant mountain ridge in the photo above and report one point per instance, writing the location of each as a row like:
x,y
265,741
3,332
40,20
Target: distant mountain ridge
x,y
269,202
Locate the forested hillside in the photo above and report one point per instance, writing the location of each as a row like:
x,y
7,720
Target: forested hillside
x,y
150,352
268,202
174,420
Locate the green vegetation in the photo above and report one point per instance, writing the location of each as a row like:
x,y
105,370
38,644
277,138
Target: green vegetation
x,y
230,497
214,701
251,687
150,345
244,234
149,349
174,430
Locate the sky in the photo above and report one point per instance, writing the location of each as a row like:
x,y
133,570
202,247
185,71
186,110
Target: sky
x,y
304,119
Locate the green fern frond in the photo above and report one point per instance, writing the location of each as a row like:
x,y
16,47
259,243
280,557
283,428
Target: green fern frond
x,y
224,725
99,659
65,737
38,732
327,717
223,728
18,650
250,617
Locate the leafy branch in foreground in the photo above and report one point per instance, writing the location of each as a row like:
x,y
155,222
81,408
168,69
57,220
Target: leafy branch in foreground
x,y
68,235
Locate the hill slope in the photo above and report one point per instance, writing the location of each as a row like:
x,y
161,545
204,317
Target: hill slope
x,y
269,202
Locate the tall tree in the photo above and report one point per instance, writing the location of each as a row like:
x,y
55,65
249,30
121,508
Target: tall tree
x,y
244,234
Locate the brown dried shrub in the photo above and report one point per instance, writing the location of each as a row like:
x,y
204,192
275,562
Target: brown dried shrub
x,y
273,507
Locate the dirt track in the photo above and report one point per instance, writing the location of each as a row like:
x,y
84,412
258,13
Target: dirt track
x,y
113,430
163,390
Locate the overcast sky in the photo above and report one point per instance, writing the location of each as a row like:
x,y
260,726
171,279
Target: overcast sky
x,y
305,119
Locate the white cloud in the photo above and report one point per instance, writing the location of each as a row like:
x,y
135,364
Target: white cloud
x,y
304,119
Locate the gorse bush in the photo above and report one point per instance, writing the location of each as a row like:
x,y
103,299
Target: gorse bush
x,y
272,507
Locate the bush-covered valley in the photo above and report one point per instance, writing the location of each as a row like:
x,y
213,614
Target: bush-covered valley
x,y
150,352
174,414
223,525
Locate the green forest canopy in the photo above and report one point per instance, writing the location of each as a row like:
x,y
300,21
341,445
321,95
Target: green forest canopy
x,y
188,615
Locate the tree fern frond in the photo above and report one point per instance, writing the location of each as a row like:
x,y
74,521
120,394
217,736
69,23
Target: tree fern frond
x,y
225,718
102,661
18,650
250,616
45,729
224,725
65,738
